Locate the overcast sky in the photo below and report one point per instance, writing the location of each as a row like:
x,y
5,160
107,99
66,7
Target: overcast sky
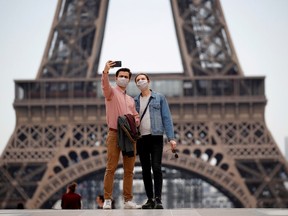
x,y
141,34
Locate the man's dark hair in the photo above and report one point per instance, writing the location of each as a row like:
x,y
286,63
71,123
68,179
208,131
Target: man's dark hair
x,y
20,206
101,197
124,70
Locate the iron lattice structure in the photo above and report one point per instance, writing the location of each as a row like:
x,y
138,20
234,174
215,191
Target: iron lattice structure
x,y
218,112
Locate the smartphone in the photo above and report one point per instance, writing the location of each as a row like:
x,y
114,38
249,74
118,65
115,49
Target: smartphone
x,y
117,64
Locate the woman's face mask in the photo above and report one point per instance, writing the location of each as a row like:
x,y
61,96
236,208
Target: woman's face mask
x,y
142,84
122,81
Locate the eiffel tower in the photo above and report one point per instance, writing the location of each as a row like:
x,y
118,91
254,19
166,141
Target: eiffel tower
x,y
218,112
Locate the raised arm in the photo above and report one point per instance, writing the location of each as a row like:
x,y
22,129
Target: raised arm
x,y
106,87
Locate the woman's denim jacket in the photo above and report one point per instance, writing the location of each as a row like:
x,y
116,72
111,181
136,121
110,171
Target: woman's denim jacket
x,y
160,115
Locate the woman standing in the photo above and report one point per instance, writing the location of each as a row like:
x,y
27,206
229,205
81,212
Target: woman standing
x,y
155,120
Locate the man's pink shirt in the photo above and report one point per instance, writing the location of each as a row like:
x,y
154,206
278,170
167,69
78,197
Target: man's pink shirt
x,y
117,102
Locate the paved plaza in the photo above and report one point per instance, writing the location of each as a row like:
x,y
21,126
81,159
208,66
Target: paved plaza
x,y
164,212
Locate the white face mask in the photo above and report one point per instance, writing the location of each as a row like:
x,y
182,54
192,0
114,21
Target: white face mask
x,y
142,84
122,81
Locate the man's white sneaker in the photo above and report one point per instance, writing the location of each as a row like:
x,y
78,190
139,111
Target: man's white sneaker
x,y
107,204
131,205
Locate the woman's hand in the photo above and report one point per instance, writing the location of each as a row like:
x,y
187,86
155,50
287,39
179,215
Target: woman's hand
x,y
173,144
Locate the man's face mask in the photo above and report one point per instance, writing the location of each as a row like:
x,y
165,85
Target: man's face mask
x,y
122,81
142,84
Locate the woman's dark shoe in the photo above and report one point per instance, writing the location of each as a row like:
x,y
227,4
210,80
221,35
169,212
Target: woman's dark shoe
x,y
149,204
158,203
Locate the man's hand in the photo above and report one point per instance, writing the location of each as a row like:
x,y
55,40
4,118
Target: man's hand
x,y
109,64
